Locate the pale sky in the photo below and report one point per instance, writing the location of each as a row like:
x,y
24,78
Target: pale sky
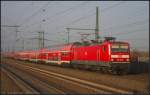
x,y
125,20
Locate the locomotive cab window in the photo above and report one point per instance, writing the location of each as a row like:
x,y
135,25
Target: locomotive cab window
x,y
119,48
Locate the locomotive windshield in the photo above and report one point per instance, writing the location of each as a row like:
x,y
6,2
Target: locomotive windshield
x,y
119,48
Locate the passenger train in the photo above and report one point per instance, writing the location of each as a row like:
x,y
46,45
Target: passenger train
x,y
107,56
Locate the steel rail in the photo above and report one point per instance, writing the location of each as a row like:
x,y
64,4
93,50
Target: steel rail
x,y
74,82
22,85
29,83
80,81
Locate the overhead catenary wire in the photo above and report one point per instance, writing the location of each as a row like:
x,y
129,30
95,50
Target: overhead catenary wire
x,y
34,14
127,25
72,8
135,39
129,32
118,27
81,18
58,13
86,16
113,6
24,9
103,10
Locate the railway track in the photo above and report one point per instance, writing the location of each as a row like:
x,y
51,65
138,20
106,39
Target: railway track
x,y
28,83
26,89
82,84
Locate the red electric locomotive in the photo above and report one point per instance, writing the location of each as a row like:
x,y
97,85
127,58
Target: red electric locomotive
x,y
110,55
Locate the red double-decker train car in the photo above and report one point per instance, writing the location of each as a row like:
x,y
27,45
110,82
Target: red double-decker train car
x,y
109,55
